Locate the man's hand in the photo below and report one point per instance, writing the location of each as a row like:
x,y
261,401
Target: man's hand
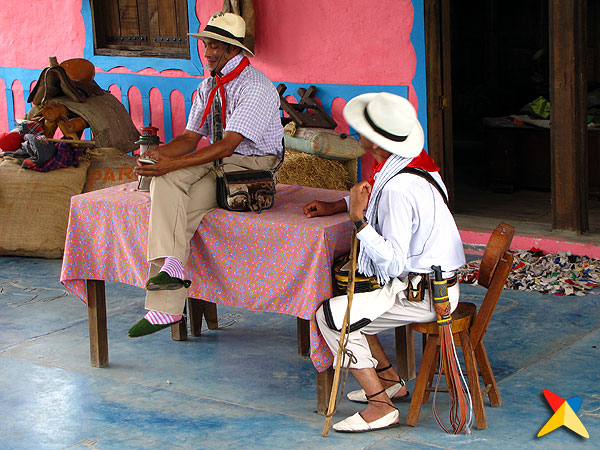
x,y
152,153
164,164
317,208
359,197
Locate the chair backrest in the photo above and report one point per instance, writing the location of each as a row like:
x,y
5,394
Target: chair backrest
x,y
497,245
495,267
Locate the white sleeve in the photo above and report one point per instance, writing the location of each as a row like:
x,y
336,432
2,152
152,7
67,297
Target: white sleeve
x,y
389,249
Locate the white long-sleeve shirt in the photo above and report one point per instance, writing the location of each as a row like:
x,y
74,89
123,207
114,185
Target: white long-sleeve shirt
x,y
415,229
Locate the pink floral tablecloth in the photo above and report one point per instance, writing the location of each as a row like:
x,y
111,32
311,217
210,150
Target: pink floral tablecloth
x,y
277,261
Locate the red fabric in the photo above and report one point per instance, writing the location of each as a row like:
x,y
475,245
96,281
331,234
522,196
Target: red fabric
x,y
376,168
10,142
424,161
421,161
220,82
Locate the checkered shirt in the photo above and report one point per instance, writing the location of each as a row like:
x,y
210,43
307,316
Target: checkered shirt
x,y
252,110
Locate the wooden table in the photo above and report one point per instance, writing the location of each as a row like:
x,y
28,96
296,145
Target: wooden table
x,y
277,261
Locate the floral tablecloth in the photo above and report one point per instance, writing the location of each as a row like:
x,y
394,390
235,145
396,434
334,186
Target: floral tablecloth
x,y
277,261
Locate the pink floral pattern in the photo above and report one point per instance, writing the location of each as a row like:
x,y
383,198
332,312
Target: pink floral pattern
x,y
276,261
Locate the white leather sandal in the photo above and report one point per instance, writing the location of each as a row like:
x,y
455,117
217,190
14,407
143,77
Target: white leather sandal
x,y
356,424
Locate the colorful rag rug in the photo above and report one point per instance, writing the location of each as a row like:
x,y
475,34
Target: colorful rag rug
x,y
551,273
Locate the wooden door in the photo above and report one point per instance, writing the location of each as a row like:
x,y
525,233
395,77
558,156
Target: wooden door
x,y
439,89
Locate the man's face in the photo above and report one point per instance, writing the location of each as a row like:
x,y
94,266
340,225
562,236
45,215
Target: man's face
x,y
216,53
365,143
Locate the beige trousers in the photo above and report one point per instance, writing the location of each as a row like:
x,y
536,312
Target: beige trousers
x,y
180,199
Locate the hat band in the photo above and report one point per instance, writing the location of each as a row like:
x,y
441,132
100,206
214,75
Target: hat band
x,y
224,33
381,131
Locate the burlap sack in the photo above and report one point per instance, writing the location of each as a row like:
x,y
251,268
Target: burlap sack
x,y
108,167
35,208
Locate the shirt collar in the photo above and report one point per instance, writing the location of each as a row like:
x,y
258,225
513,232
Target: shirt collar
x,y
232,63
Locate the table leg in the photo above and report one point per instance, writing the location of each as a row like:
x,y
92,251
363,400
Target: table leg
x,y
324,382
195,316
210,315
405,353
303,327
179,329
96,302
200,308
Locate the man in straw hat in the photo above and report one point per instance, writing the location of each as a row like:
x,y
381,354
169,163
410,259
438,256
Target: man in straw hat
x,y
404,227
237,108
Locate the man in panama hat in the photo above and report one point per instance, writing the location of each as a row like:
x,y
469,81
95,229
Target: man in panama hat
x,y
237,108
404,227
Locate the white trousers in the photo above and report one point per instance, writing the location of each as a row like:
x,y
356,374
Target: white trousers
x,y
402,312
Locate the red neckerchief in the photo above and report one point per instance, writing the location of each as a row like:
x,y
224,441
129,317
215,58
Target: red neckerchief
x,y
220,82
424,161
376,168
421,161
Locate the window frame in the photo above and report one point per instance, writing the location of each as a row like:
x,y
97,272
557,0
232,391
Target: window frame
x,y
192,66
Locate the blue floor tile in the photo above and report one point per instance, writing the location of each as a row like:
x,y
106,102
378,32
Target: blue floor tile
x,y
245,386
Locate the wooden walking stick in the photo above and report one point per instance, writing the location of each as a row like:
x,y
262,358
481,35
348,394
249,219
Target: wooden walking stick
x,y
342,346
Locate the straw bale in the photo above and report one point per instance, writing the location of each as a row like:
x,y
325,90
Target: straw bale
x,y
309,170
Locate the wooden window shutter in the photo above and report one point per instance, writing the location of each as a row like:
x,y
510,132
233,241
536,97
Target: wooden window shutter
x,y
141,28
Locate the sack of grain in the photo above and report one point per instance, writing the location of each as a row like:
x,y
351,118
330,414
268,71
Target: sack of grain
x,y
35,208
109,167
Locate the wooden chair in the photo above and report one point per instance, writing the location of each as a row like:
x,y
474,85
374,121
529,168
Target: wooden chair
x,y
468,328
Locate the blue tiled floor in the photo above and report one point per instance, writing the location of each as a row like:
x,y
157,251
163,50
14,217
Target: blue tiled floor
x,y
244,386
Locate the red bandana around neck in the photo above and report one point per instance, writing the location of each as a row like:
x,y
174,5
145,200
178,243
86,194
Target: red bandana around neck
x,y
424,161
421,161
220,82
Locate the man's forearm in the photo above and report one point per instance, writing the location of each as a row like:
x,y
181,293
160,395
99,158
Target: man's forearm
x,y
220,149
179,146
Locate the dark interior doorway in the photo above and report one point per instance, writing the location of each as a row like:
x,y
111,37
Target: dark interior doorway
x,y
500,65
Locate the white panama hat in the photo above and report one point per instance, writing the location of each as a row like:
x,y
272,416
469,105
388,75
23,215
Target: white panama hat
x,y
225,27
387,120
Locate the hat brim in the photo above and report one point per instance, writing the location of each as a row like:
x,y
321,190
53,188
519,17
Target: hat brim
x,y
218,37
354,115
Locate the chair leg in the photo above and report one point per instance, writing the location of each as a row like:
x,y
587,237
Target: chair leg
x,y
436,358
405,352
488,376
427,365
474,386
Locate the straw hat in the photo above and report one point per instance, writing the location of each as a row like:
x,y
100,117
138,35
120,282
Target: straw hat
x,y
387,120
225,27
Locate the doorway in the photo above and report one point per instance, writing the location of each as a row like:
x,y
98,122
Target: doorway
x,y
501,161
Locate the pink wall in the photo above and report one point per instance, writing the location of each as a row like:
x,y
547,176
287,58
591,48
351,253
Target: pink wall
x,y
312,41
329,42
34,30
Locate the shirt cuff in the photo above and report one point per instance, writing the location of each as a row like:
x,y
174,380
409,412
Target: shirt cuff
x,y
347,200
368,235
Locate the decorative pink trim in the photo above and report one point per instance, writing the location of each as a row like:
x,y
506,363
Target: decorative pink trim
x,y
546,244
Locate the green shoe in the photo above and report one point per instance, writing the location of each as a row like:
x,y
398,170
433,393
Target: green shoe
x,y
143,327
163,281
